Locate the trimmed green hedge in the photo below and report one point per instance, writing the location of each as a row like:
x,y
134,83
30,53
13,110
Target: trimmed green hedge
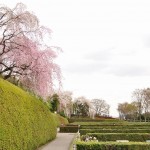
x,y
71,120
112,146
138,137
114,127
25,122
137,124
69,129
85,131
98,123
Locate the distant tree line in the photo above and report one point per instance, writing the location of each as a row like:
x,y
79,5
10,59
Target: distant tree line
x,y
138,109
63,103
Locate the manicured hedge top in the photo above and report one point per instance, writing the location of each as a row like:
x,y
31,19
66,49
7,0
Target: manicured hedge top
x,y
93,120
112,146
85,131
115,127
140,137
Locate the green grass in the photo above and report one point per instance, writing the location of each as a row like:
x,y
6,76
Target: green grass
x,y
25,122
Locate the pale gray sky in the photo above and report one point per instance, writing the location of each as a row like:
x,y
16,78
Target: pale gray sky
x,y
106,45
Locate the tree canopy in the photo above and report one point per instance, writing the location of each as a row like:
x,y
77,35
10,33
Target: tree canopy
x,y
24,55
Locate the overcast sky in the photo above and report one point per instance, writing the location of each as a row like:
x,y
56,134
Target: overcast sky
x,y
105,43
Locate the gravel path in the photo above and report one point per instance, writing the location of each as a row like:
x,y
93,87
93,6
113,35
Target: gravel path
x,y
62,142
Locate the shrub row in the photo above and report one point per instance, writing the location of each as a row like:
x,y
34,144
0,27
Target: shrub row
x,y
113,127
25,122
97,123
93,120
106,122
72,125
85,131
68,129
138,137
112,146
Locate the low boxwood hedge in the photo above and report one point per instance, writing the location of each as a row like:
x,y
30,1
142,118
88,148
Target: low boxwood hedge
x,y
85,131
112,146
113,123
99,123
68,129
114,127
102,120
25,121
138,137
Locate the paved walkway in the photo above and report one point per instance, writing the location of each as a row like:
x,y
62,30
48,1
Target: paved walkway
x,y
62,142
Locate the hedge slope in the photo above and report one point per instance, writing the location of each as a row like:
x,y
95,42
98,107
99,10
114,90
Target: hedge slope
x,y
25,122
59,120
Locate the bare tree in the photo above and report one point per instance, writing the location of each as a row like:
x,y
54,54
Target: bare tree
x,y
146,103
137,109
139,98
127,110
101,107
